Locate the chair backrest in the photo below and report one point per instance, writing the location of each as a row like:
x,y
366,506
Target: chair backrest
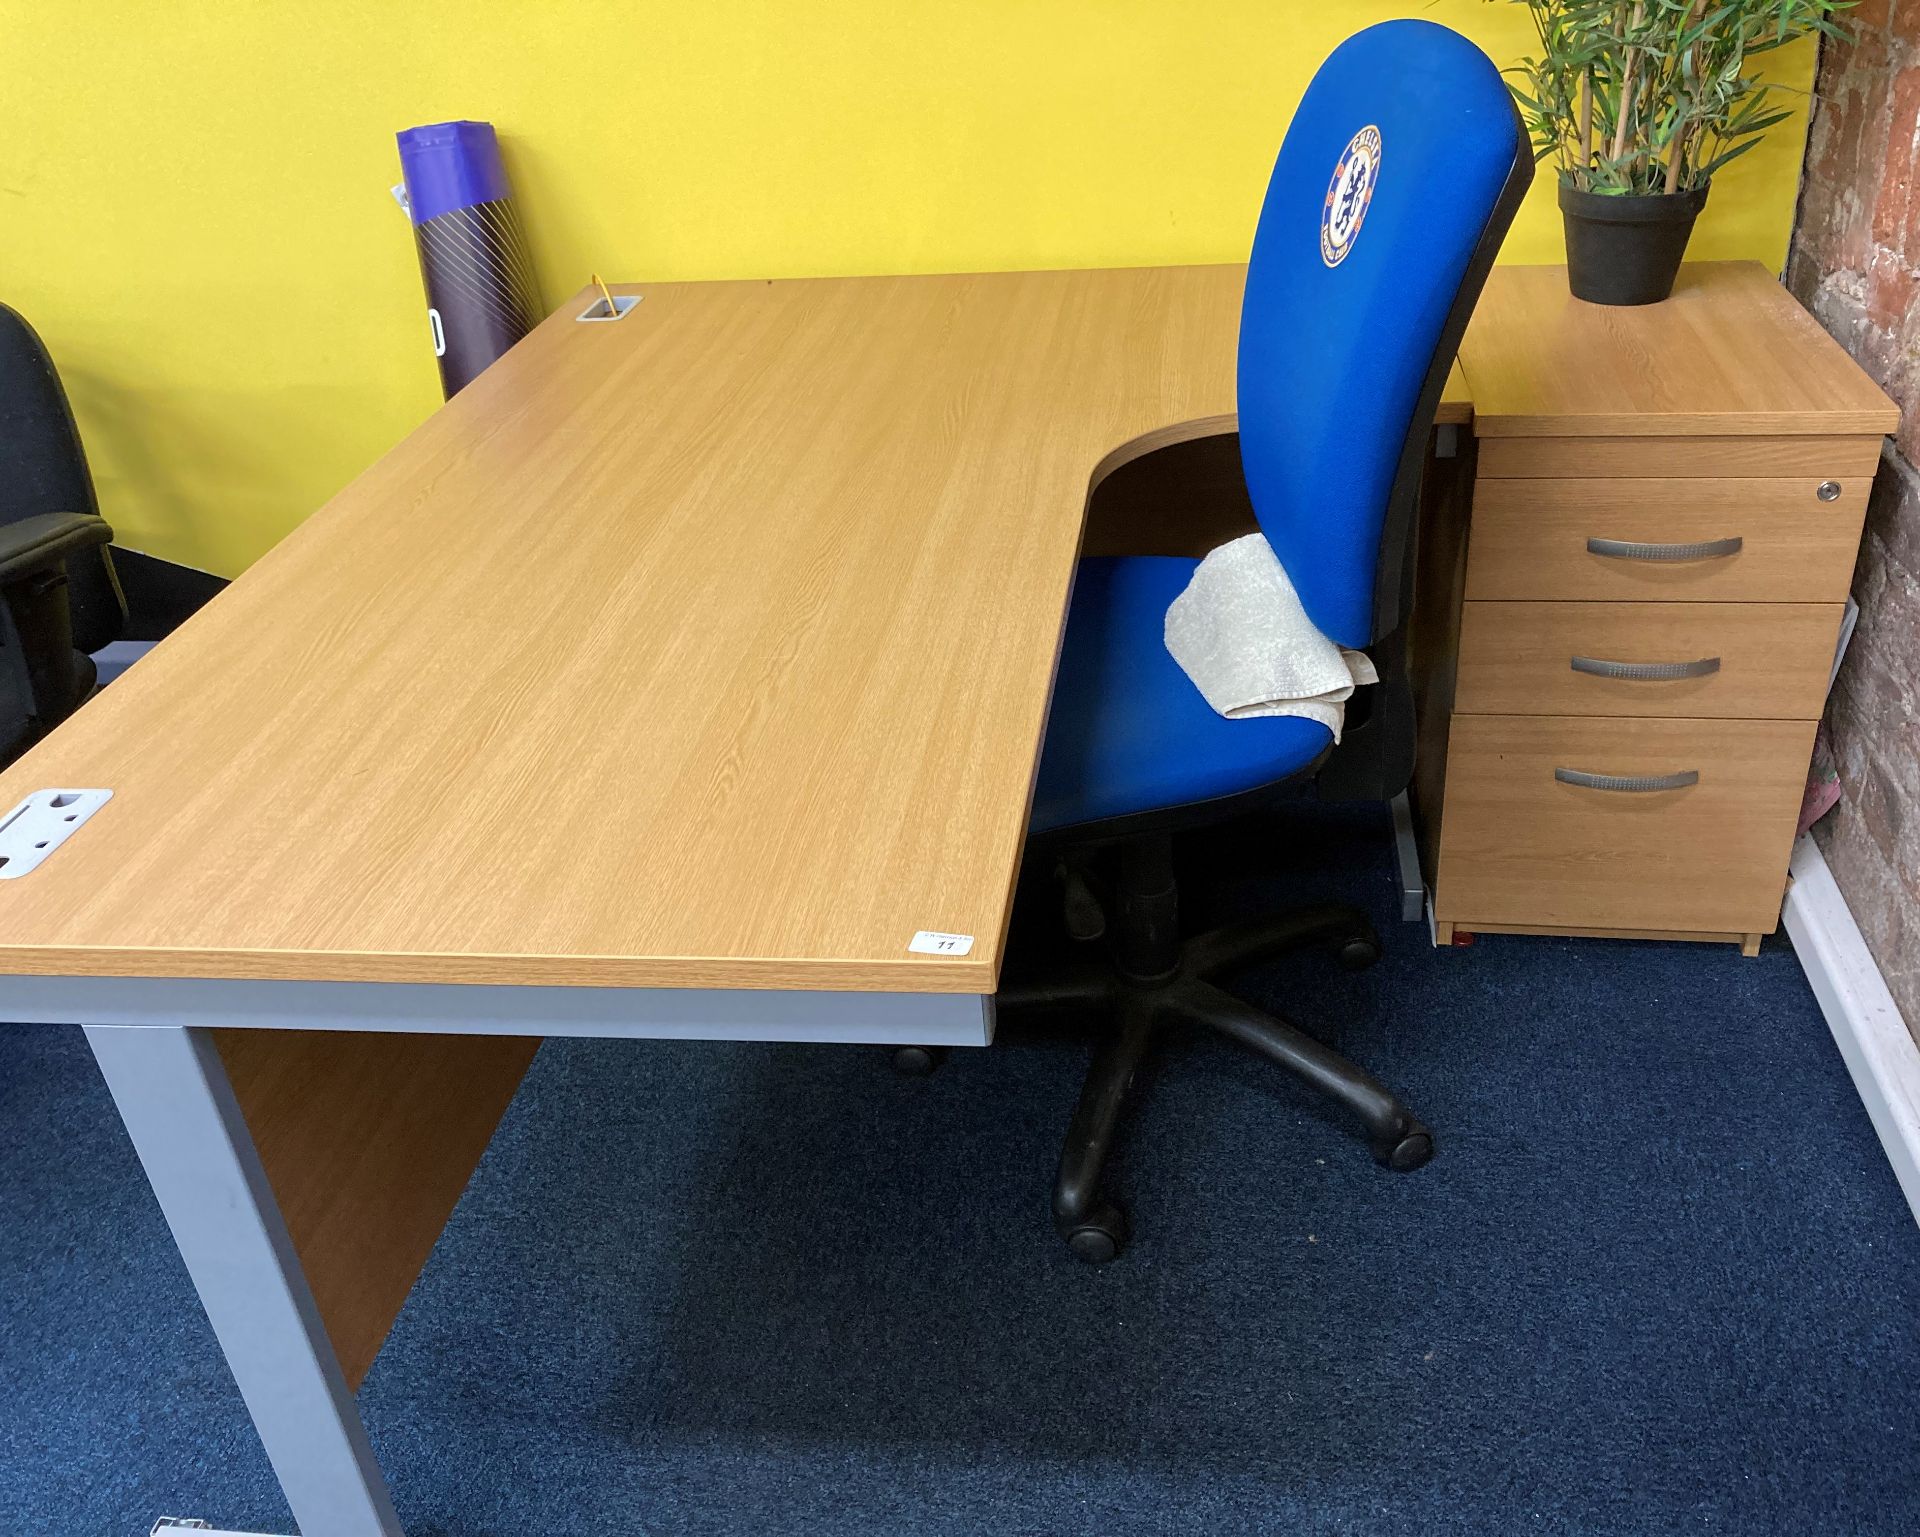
x,y
1401,170
42,469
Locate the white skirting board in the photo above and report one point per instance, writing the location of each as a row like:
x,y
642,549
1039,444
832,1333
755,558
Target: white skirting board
x,y
1873,1038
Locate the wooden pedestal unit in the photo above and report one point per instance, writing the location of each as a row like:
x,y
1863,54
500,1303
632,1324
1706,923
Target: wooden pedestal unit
x,y
1629,614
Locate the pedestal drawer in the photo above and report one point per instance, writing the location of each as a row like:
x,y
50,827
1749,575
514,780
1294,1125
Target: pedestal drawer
x,y
1761,661
1548,823
1721,541
1673,454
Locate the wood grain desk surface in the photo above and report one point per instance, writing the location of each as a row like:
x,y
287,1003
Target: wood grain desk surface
x,y
1731,353
708,648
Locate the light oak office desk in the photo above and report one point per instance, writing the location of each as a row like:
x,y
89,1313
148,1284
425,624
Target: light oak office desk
x,y
665,683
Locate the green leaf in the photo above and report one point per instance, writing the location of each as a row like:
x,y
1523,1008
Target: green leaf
x,y
1701,173
1689,73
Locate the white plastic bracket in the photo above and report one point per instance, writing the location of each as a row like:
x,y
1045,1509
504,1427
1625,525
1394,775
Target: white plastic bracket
x,y
598,309
40,824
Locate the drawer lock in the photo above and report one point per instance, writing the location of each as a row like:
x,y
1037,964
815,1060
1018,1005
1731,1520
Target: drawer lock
x,y
1829,491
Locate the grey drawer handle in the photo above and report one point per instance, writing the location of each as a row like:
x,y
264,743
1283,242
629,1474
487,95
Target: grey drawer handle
x,y
1630,782
1628,549
1646,672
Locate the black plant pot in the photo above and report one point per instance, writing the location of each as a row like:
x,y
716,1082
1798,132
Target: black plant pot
x,y
1627,250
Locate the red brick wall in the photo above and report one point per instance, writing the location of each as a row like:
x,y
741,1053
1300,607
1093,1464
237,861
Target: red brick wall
x,y
1856,263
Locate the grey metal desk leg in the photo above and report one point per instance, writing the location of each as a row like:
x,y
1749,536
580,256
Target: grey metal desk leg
x,y
192,1139
1406,853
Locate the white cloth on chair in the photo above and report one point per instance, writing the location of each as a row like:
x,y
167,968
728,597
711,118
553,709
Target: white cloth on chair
x,y
1239,632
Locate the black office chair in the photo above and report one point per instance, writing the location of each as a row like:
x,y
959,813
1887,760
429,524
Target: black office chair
x,y
1401,171
59,598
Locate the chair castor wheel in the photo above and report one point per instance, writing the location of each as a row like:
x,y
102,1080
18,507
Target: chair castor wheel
x,y
917,1061
1408,1152
1358,952
1086,918
1098,1237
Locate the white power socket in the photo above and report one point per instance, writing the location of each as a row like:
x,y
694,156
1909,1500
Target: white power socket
x,y
40,824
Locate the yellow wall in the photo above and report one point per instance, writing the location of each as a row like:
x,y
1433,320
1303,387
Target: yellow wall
x,y
194,208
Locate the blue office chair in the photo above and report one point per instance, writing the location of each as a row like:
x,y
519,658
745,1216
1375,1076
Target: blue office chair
x,y
1401,171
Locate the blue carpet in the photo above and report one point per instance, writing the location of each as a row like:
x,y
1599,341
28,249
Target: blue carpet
x,y
1659,1279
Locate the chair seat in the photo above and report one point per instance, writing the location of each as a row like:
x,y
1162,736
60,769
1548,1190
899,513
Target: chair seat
x,y
1129,732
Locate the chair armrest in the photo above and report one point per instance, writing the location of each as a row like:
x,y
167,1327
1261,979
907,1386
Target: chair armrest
x,y
46,540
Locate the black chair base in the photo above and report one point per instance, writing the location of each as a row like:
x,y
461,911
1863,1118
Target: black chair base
x,y
1150,979
917,1061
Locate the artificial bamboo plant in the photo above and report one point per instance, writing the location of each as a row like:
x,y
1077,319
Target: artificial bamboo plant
x,y
1653,96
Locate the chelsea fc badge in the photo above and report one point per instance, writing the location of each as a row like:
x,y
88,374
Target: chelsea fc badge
x,y
1348,195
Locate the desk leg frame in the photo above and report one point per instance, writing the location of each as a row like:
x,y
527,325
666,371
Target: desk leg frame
x,y
172,1092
